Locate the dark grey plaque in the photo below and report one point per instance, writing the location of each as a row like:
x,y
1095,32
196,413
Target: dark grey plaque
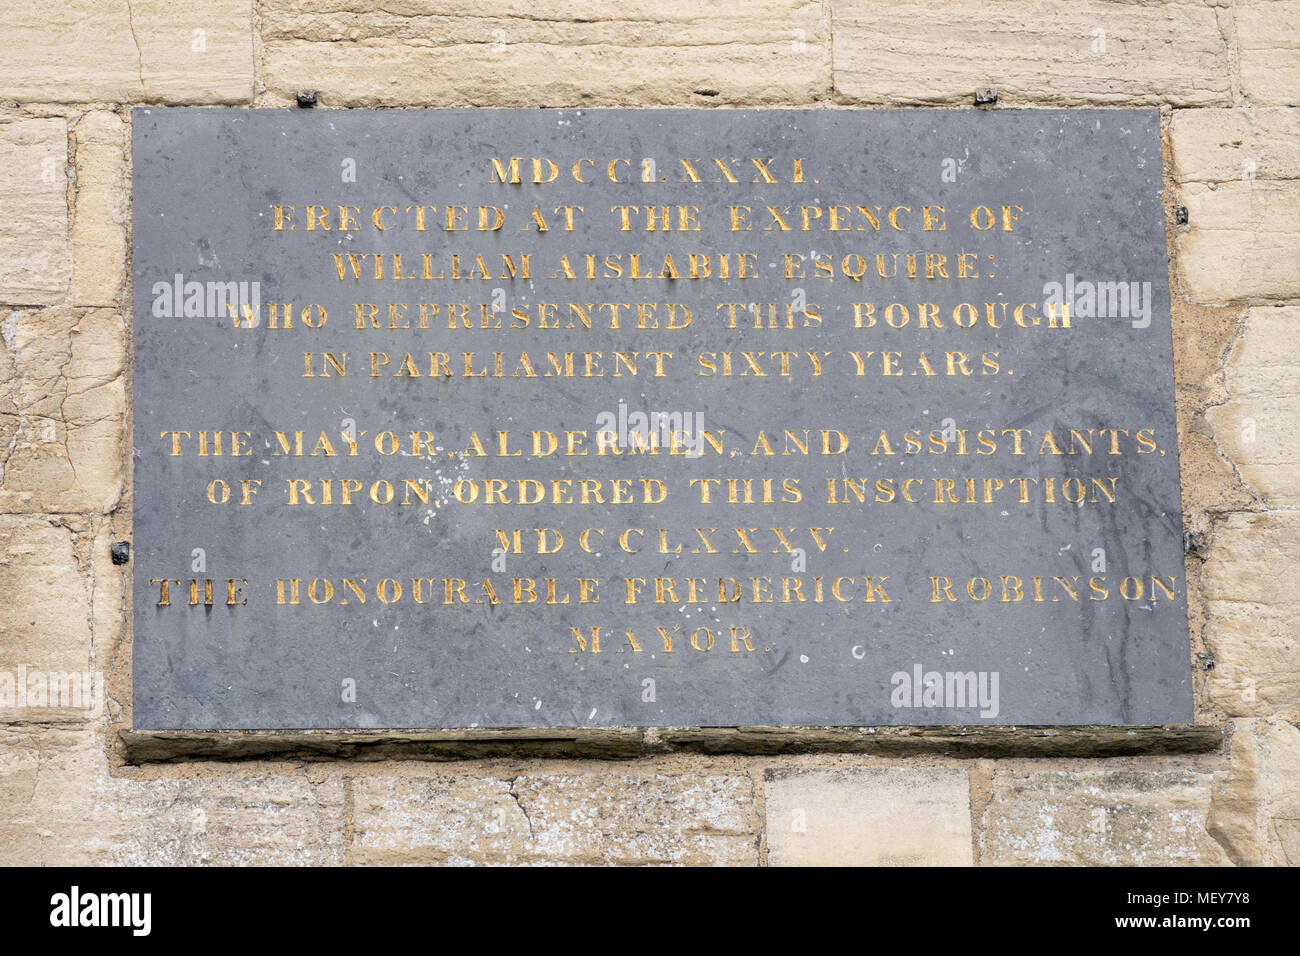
x,y
1049,610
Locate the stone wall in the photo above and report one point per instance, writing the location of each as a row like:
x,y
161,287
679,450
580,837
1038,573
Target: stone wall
x,y
1226,76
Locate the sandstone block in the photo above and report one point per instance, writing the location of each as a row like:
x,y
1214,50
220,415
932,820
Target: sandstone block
x,y
63,410
1258,427
35,255
1036,52
1252,614
869,817
1099,818
1222,145
548,53
605,818
1268,50
1255,812
101,211
60,807
1243,241
128,51
44,622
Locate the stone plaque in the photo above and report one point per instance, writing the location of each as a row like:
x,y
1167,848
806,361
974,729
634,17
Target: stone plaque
x,y
584,418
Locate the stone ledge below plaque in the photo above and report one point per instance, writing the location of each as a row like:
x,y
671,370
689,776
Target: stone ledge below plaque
x,y
623,742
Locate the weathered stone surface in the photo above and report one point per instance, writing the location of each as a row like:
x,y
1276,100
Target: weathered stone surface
x,y
1255,811
35,257
44,616
1258,427
1042,52
605,818
870,817
1203,334
1239,144
229,820
1268,50
425,820
1243,244
550,53
128,51
1256,650
1253,614
62,410
1099,818
46,780
60,807
101,210
691,819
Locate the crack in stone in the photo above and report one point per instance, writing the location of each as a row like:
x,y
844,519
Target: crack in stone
x,y
1228,33
1228,396
349,822
63,413
522,809
9,333
59,386
139,53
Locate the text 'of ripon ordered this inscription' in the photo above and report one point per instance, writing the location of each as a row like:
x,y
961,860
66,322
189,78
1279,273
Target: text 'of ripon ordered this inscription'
x,y
590,418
